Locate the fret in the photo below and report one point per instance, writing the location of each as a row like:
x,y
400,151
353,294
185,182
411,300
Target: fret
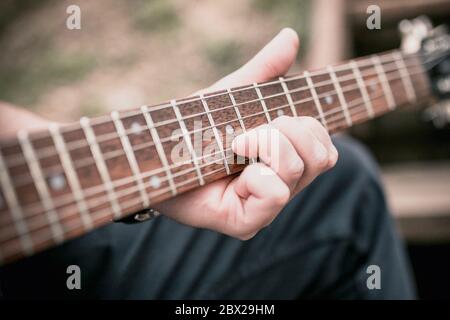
x,y
41,186
340,95
384,82
288,96
236,109
363,89
261,100
315,98
159,148
188,141
71,175
131,157
216,133
101,166
238,114
15,209
406,79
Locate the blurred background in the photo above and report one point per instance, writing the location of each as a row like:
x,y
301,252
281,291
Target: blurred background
x,y
129,53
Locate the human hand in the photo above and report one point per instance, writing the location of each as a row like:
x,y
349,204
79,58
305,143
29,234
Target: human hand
x,y
240,206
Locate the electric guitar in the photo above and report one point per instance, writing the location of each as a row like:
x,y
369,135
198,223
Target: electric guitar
x,y
63,182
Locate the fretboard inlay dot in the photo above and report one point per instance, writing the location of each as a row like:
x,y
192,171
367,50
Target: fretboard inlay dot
x,y
328,100
136,128
57,182
155,182
229,129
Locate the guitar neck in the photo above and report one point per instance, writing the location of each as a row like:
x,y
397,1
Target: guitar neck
x,y
63,182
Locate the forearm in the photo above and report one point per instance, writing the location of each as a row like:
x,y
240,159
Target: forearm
x,y
12,119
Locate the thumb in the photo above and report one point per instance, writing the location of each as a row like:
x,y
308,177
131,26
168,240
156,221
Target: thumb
x,y
272,61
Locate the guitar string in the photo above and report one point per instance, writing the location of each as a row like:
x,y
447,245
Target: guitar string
x,y
81,143
49,171
332,111
222,168
134,202
331,120
85,162
361,62
131,190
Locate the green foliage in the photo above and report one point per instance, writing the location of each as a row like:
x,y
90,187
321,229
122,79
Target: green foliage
x,y
24,83
91,107
289,13
154,15
224,55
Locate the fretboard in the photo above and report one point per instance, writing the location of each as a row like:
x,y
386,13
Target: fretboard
x,y
63,182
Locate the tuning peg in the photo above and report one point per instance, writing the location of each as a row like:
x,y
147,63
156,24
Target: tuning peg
x,y
438,114
413,32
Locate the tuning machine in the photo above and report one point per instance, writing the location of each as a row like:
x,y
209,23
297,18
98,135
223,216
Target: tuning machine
x,y
439,114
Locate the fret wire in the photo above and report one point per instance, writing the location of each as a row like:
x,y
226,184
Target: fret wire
x,y
384,82
365,62
71,175
15,209
340,95
315,98
41,186
101,166
236,110
362,88
188,141
238,114
262,101
159,147
288,96
337,118
115,153
130,204
130,157
373,97
406,79
323,83
131,190
216,132
130,113
109,136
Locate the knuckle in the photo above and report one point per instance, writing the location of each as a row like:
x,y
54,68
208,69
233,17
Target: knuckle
x,y
321,156
310,122
334,155
295,168
322,161
281,120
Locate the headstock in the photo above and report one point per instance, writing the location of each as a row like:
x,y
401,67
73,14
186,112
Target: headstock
x,y
433,45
